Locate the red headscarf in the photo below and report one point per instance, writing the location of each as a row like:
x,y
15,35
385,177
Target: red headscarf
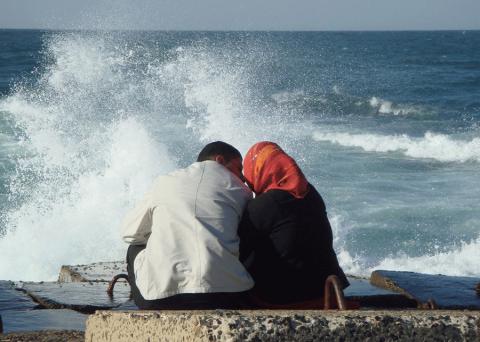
x,y
266,167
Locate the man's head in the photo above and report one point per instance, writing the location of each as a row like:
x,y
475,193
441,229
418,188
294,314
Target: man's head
x,y
224,154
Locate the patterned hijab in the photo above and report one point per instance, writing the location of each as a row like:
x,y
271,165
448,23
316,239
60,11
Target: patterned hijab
x,y
266,167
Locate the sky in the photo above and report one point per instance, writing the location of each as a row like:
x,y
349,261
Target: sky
x,y
242,14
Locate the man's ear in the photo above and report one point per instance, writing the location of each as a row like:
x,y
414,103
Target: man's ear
x,y
220,159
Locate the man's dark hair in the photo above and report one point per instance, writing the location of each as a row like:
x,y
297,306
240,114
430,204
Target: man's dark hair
x,y
228,152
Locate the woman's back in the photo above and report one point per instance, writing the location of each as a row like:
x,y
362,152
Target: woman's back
x,y
292,243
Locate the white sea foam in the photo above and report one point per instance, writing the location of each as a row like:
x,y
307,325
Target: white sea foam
x,y
284,97
102,122
337,90
340,228
387,107
439,147
82,169
218,99
98,127
462,261
77,221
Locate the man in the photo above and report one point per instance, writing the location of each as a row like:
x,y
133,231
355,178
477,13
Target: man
x,y
183,238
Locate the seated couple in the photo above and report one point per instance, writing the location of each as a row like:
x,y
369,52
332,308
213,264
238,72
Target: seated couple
x,y
199,241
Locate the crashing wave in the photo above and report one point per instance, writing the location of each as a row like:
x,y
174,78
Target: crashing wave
x,y
459,262
439,147
105,117
387,107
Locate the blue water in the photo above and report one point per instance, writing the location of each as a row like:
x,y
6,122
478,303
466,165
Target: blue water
x,y
386,125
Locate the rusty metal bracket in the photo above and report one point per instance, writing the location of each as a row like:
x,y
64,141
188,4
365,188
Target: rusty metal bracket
x,y
333,297
428,305
112,283
432,304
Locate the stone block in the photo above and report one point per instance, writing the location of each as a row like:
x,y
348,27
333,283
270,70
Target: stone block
x,y
11,299
82,297
447,292
369,296
277,325
96,272
44,336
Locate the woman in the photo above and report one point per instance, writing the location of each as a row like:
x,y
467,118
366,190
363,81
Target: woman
x,y
285,236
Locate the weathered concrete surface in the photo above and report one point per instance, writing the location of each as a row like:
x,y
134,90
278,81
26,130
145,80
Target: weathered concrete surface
x,y
273,325
360,289
448,292
369,296
82,297
99,271
33,320
10,299
19,313
44,336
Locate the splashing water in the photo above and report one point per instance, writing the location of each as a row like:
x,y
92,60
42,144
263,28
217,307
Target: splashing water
x,y
96,129
432,146
462,261
108,112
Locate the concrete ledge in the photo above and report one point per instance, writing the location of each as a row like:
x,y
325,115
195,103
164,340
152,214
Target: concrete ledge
x,y
96,272
447,292
82,297
44,336
276,325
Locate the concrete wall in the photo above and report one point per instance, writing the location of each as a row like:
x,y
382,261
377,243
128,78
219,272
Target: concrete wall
x,y
274,325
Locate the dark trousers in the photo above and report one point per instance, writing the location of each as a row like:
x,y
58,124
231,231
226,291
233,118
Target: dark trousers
x,y
185,301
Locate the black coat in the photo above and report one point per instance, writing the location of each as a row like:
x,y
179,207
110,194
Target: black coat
x,y
291,240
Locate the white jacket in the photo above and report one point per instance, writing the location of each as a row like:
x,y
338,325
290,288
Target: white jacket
x,y
189,223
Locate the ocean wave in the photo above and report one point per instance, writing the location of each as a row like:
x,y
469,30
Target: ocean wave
x,y
89,154
462,261
72,216
220,102
388,107
350,264
439,147
459,260
283,97
105,116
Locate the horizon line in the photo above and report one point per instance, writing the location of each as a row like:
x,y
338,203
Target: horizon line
x,y
240,30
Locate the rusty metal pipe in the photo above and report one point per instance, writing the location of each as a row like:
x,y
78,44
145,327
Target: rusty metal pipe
x,y
112,283
333,290
432,305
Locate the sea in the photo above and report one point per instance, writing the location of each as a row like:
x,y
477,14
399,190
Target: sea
x,y
386,126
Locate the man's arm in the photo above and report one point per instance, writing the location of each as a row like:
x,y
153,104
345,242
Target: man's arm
x,y
137,225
